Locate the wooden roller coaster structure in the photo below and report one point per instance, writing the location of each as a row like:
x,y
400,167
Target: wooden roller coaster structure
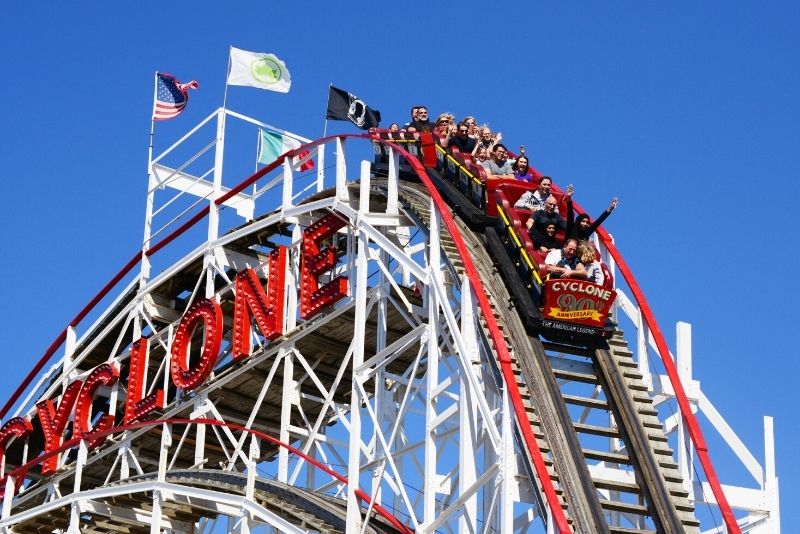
x,y
354,355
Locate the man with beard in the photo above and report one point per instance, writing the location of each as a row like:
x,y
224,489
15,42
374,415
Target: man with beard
x,y
462,141
421,123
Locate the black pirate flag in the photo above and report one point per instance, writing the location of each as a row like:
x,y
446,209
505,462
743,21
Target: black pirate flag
x,y
344,106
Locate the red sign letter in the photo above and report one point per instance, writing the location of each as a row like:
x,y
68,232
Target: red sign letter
x,y
16,427
136,404
53,422
105,374
267,308
209,313
316,261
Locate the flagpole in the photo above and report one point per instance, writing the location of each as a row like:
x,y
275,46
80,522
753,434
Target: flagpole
x,y
258,152
148,216
325,128
227,73
321,149
152,123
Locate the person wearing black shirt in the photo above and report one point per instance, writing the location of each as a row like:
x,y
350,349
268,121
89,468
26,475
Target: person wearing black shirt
x,y
462,141
547,241
582,227
421,123
540,220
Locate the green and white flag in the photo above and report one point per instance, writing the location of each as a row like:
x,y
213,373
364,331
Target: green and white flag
x,y
273,144
256,69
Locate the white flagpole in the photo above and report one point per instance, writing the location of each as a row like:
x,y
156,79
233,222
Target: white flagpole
x,y
152,123
227,73
151,187
258,152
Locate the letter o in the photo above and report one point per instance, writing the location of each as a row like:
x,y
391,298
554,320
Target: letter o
x,y
209,313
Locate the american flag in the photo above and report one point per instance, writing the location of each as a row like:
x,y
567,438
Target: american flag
x,y
171,96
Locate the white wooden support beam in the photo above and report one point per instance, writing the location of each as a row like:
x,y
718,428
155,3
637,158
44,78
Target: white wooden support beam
x,y
219,151
8,495
69,349
252,460
392,186
320,168
468,415
163,453
75,510
155,522
506,514
430,483
200,430
354,520
770,485
685,445
382,406
288,183
342,193
288,395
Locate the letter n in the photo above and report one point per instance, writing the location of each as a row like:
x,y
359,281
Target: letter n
x,y
267,308
54,421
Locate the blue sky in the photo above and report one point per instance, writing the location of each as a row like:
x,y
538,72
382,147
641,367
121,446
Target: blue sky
x,y
687,111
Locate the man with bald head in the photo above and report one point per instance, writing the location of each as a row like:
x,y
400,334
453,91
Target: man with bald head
x,y
538,222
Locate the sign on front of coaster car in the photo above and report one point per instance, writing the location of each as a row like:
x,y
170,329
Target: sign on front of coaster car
x,y
578,302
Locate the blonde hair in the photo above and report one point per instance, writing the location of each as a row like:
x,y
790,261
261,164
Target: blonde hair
x,y
447,117
586,252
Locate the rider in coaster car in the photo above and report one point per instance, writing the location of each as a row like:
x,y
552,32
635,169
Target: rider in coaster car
x,y
498,166
583,227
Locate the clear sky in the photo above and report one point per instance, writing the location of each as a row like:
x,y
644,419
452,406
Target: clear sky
x,y
688,111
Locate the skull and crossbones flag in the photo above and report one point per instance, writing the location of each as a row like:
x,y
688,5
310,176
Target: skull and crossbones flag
x,y
344,106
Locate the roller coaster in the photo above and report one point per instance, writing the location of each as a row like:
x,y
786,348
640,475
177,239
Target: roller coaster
x,y
366,347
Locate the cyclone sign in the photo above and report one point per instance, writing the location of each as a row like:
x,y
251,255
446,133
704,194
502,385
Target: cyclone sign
x,y
253,307
577,301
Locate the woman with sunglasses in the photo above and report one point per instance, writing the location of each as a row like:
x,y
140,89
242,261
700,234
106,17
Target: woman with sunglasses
x,y
472,126
444,128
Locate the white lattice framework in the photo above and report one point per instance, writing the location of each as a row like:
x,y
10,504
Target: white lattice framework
x,y
432,443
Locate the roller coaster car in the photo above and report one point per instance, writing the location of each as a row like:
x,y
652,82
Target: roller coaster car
x,y
571,310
